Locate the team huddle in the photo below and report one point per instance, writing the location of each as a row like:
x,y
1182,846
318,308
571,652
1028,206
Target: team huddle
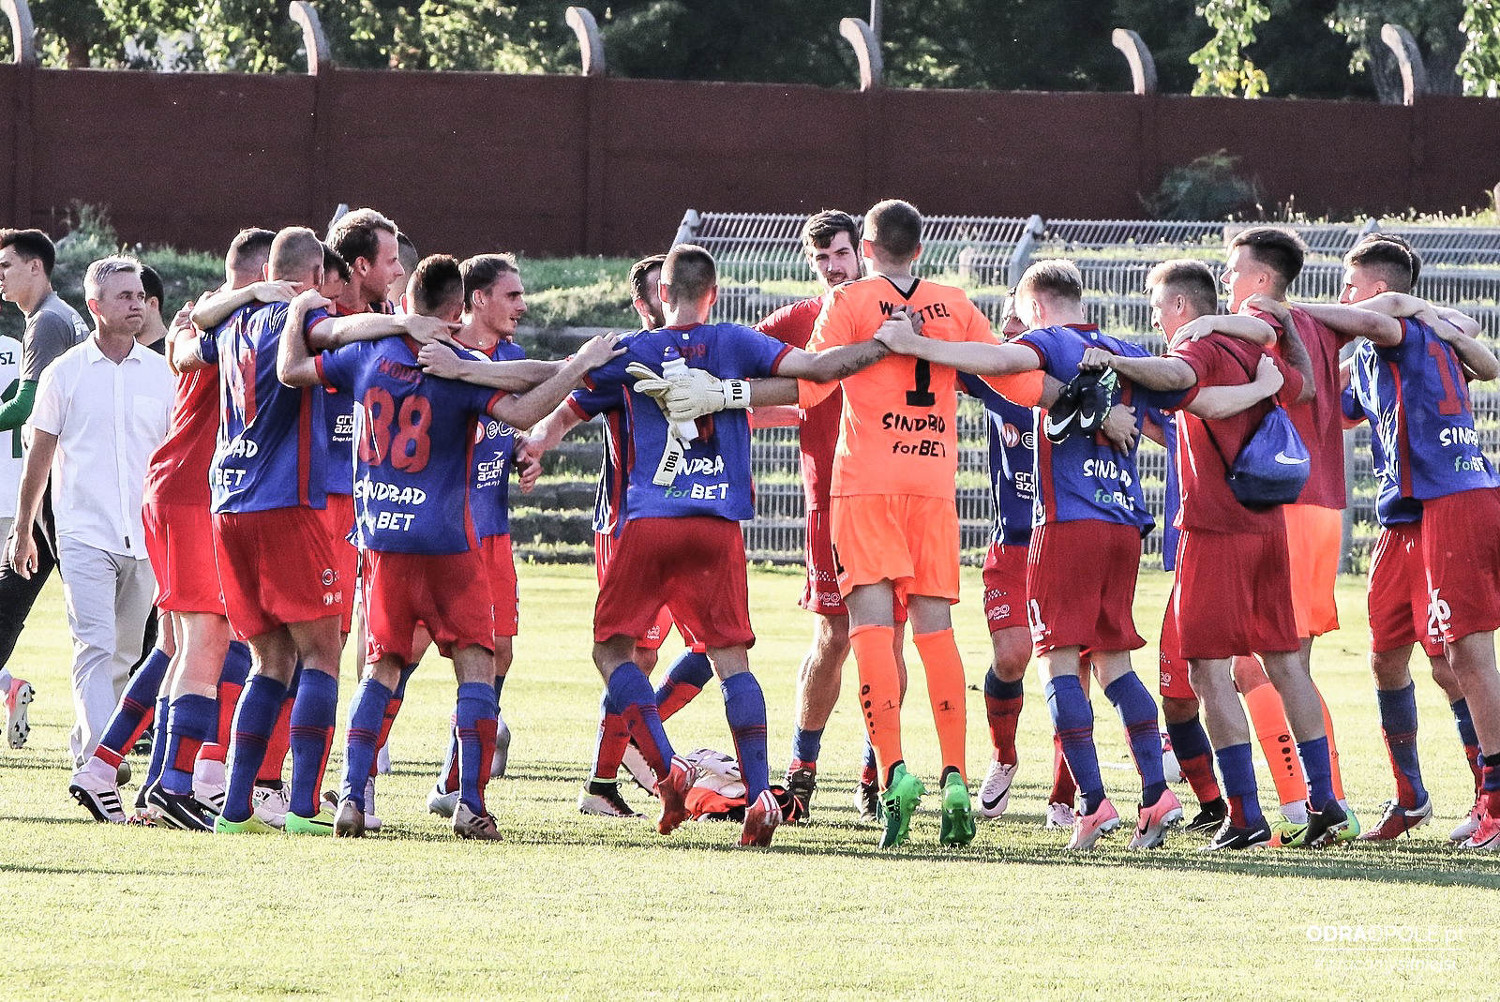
x,y
343,429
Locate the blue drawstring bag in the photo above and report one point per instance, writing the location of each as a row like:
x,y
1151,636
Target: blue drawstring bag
x,y
1272,467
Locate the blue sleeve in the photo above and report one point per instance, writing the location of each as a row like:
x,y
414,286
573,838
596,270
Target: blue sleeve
x,y
1044,344
981,391
208,346
608,380
1352,408
757,353
1157,401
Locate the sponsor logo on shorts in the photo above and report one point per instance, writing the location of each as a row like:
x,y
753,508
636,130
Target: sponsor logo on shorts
x,y
1010,435
329,576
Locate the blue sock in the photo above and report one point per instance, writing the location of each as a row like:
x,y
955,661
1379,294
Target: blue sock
x,y
745,709
685,679
1238,772
476,703
996,688
806,745
193,720
1189,739
135,703
254,719
236,667
366,715
499,684
1138,713
1073,719
1398,719
632,694
1318,770
406,673
158,748
314,713
1465,722
869,760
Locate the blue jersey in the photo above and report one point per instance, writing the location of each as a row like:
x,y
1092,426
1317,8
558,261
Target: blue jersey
x,y
271,451
1085,478
1390,507
338,420
414,447
494,450
715,475
1012,438
1418,402
609,499
1172,492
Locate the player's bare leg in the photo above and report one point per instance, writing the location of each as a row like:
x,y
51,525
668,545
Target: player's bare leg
x,y
273,659
1228,729
314,713
819,679
1395,694
1306,718
192,691
1073,722
1159,807
1473,660
1443,675
501,662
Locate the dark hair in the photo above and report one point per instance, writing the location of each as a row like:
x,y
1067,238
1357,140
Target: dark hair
x,y
295,252
1279,249
332,264
1191,278
437,283
1054,277
151,284
1391,256
354,235
31,245
480,271
895,227
639,288
407,252
689,272
820,229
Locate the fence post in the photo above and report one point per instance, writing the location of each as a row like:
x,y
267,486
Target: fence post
x,y
687,230
320,67
1020,259
1142,65
866,49
22,31
1409,58
590,42
313,39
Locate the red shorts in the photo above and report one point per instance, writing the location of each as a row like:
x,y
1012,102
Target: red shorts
x,y
1173,683
449,594
180,542
1005,587
694,565
821,594
277,567
656,634
1080,586
1233,595
1399,609
339,517
1461,550
505,593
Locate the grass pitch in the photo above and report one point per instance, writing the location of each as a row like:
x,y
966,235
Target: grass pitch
x,y
571,907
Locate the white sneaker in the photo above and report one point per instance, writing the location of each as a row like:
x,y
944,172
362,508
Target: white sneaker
x,y
467,824
1295,814
372,823
270,806
440,802
210,784
98,795
502,749
994,792
1469,825
608,804
17,697
635,764
1058,816
383,759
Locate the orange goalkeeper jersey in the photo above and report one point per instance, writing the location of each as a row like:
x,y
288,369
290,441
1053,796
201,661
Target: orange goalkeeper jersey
x,y
898,433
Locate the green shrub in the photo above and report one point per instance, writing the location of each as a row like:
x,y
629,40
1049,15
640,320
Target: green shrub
x,y
1207,188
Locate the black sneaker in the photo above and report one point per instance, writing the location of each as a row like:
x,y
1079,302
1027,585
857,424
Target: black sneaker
x,y
603,800
867,803
1209,817
180,810
1230,837
801,781
143,743
1324,826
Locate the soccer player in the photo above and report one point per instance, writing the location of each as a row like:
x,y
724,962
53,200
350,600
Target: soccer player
x,y
830,241
52,327
1263,262
690,672
422,558
681,542
1084,553
894,523
1232,593
1408,372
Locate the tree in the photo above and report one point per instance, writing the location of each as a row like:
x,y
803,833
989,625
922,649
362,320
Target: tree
x,y
1433,23
1223,67
1479,66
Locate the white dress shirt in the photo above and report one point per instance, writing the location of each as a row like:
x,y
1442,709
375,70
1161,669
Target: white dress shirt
x,y
108,420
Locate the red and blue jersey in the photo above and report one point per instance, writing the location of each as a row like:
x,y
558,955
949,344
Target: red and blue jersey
x,y
414,447
338,418
714,479
1085,478
1012,439
494,449
589,402
1417,400
271,450
1390,507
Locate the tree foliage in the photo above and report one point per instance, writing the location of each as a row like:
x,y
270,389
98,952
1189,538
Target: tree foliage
x,y
1479,66
1223,67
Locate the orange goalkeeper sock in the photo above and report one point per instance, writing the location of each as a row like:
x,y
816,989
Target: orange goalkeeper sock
x,y
879,693
1333,751
945,689
1268,717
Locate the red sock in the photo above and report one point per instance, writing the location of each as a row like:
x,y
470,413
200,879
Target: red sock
x,y
1063,787
681,695
1003,716
1476,766
1199,771
277,745
392,707
609,750
229,698
487,729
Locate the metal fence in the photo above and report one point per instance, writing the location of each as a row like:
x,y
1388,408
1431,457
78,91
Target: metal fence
x,y
1462,268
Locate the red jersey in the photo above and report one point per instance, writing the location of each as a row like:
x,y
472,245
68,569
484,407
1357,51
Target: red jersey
x,y
1320,421
1205,448
178,473
819,431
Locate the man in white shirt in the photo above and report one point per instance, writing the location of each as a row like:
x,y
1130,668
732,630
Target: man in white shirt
x,y
101,410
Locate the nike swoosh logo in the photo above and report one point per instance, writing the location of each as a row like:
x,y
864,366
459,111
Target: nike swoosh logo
x,y
1286,460
1061,429
989,804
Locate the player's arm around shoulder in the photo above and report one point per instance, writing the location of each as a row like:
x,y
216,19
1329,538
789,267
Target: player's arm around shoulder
x,y
1364,320
522,410
295,366
1166,373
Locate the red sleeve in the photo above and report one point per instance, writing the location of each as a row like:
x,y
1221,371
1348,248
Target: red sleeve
x,y
318,364
792,324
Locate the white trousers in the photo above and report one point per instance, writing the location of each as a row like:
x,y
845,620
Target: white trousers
x,y
108,597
